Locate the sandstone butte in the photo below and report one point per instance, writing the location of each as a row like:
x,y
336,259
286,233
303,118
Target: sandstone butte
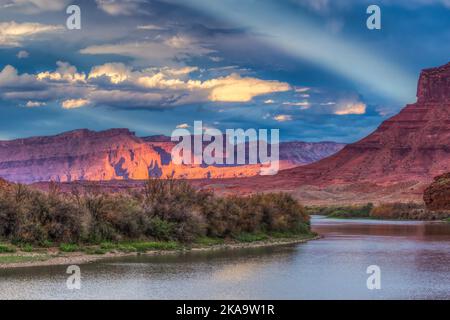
x,y
118,154
410,148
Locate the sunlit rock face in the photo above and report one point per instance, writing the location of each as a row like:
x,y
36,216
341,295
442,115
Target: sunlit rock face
x,y
437,195
118,154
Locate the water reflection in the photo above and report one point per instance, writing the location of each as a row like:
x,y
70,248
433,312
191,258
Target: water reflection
x,y
414,258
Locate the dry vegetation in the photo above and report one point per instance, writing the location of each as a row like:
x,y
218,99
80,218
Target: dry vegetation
x,y
164,210
396,210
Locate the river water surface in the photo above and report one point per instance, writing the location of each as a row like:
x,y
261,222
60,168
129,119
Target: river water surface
x,y
414,258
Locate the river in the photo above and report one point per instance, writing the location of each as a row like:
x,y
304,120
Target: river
x,y
414,260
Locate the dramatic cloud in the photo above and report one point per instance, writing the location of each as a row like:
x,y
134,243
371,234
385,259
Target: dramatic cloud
x,y
116,84
12,34
232,88
282,29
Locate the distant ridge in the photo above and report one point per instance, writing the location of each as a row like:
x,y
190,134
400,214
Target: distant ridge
x,y
118,154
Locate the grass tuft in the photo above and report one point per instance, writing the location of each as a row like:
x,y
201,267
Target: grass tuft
x,y
68,247
5,248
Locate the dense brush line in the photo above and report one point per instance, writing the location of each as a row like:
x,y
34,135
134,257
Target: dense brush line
x,y
163,210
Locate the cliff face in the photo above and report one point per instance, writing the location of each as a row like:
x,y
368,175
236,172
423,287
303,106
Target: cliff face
x,y
76,155
437,195
434,85
117,154
413,145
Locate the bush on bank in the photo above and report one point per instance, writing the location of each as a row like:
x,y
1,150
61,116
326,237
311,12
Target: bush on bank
x,y
164,210
395,210
350,211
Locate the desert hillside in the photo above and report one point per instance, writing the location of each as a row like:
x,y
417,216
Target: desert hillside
x,y
118,154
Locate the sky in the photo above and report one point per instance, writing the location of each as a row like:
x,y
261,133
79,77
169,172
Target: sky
x,y
310,68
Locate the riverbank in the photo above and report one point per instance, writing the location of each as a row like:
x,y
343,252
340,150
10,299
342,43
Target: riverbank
x,y
55,256
388,211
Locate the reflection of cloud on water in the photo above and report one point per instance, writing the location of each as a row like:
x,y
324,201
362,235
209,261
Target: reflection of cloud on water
x,y
236,272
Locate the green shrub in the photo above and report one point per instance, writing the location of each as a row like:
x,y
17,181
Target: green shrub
x,y
126,248
354,211
148,246
249,237
26,248
68,247
108,246
208,241
46,244
6,249
161,229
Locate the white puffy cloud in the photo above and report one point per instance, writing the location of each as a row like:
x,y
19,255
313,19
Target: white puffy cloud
x,y
120,7
150,27
302,89
183,126
74,103
301,104
34,6
116,72
22,54
9,77
12,34
345,108
34,104
282,118
64,72
234,88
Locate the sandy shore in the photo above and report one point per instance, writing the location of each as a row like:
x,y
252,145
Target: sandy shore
x,y
55,258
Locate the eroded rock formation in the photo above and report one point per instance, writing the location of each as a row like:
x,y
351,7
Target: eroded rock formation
x,y
437,195
118,154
